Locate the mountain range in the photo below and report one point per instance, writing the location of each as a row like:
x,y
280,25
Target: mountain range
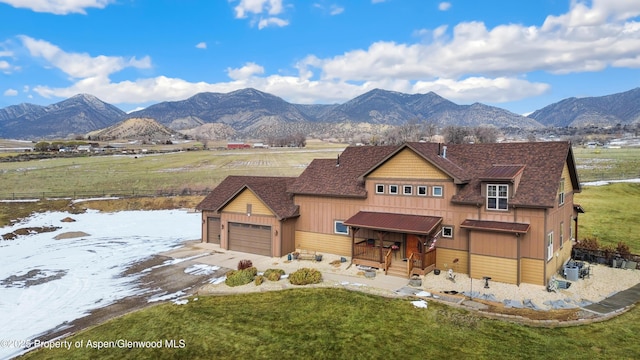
x,y
254,114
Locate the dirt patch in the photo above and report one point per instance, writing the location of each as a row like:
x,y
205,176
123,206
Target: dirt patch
x,y
141,203
68,219
33,277
71,235
29,231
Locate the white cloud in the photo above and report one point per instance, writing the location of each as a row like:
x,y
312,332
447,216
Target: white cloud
x,y
10,92
272,21
271,7
261,12
444,6
201,45
59,7
248,70
81,65
336,10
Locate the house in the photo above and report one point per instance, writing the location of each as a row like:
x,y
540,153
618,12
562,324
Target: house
x,y
503,211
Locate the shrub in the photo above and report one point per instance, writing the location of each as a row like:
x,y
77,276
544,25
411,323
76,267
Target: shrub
x,y
305,276
240,277
259,280
273,274
623,249
588,243
244,264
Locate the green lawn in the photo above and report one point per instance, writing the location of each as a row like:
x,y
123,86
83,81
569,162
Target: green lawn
x,y
342,324
612,214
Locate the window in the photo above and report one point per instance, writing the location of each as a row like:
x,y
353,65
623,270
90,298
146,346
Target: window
x,y
561,234
447,231
436,191
550,246
561,192
422,190
379,189
340,228
407,189
393,189
497,196
248,209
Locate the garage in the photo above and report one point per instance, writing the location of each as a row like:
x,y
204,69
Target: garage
x,y
213,230
250,238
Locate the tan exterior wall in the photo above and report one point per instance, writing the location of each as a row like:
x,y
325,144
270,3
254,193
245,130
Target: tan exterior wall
x,y
408,165
445,257
288,236
532,271
502,245
498,269
324,243
239,204
317,214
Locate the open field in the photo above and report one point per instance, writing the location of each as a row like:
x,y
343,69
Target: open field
x,y
612,214
342,324
607,164
191,170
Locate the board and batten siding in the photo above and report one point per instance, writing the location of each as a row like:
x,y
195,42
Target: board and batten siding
x,y
498,269
532,271
324,243
408,165
319,213
445,257
239,204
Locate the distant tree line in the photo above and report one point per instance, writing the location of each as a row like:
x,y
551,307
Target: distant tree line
x,y
291,140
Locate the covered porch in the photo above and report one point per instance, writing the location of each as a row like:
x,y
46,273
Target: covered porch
x,y
397,243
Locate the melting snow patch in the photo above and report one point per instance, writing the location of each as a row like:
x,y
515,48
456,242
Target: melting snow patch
x,y
181,301
216,281
166,296
420,304
423,294
201,269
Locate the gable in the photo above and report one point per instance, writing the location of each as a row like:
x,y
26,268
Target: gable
x,y
239,204
406,164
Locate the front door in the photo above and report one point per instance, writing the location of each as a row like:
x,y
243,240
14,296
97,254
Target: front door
x,y
413,245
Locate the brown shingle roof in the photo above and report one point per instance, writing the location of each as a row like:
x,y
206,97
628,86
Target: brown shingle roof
x,y
543,164
413,224
519,228
326,178
271,190
540,163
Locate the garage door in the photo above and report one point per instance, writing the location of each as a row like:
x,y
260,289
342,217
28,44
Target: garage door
x,y
213,230
249,238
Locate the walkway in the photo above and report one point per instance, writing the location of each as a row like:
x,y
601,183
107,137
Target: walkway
x,y
617,301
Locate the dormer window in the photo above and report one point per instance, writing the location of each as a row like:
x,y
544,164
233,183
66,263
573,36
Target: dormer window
x,y
561,193
497,197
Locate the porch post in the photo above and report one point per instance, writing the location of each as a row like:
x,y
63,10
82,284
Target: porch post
x,y
353,240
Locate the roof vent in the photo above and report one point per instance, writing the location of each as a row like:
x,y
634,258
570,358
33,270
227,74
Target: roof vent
x,y
338,161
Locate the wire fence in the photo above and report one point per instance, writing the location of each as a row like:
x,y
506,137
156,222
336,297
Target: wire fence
x,y
86,194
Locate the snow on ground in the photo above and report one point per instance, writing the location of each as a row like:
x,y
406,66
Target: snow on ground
x,y
45,282
607,182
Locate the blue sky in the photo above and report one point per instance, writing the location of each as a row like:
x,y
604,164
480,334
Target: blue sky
x,y
518,55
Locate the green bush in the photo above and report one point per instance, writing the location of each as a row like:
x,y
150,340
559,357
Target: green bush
x,y
305,276
259,280
240,277
273,274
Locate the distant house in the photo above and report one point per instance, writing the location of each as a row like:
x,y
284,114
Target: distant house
x,y
84,148
503,210
238,145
